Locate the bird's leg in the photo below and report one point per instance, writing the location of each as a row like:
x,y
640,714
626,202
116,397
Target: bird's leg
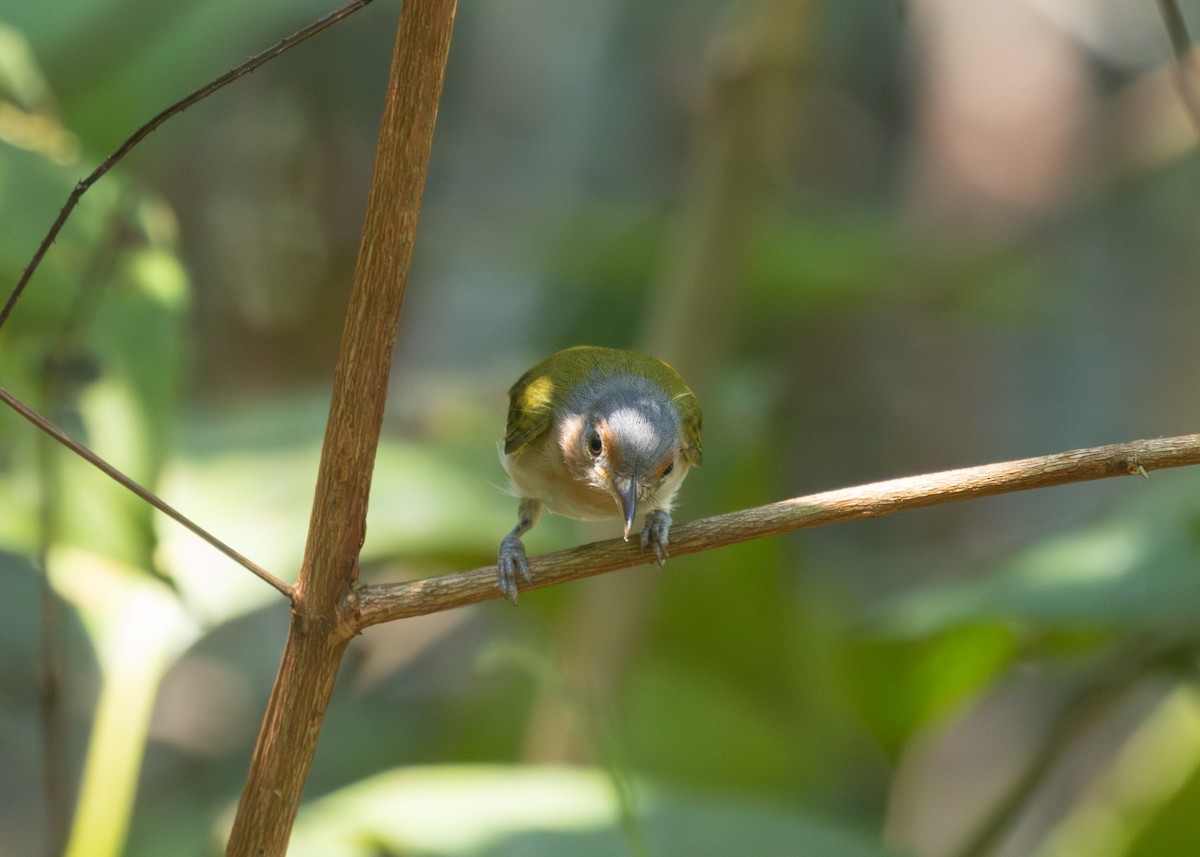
x,y
655,534
512,559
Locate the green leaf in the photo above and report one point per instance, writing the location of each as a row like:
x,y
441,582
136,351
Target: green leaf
x,y
505,812
900,685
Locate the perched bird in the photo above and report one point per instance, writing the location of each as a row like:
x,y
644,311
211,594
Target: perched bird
x,y
597,433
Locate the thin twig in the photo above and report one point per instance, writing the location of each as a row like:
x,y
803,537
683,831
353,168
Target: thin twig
x,y
145,130
373,604
147,495
1085,705
1181,43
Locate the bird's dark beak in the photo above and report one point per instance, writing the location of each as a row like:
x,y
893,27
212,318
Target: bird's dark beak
x,y
628,500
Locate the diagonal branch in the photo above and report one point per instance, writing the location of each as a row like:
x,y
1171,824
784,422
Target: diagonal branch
x,y
371,605
145,130
146,494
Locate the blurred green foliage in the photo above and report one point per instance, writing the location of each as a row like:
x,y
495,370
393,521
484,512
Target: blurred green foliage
x,y
921,277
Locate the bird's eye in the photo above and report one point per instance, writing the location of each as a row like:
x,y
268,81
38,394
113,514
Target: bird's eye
x,y
668,469
595,445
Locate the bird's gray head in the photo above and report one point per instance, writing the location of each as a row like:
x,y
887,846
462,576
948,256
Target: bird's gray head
x,y
628,440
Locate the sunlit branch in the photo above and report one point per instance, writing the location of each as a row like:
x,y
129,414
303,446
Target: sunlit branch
x,y
377,603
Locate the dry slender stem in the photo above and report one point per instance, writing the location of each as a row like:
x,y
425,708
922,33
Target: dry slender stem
x,y
1176,28
1181,43
1085,705
149,496
371,605
145,130
317,638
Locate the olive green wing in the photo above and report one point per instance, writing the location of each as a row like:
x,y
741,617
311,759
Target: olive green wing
x,y
529,410
691,423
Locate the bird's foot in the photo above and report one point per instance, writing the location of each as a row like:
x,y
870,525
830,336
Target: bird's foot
x,y
655,534
511,561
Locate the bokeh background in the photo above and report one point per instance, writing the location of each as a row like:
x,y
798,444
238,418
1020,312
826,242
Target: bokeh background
x,y
877,238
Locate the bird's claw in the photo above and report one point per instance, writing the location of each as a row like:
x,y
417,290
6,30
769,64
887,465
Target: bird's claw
x,y
655,534
510,562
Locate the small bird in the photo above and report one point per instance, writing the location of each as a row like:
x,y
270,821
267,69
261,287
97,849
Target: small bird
x,y
597,433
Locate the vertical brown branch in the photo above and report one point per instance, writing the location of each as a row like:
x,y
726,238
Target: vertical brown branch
x,y
318,637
